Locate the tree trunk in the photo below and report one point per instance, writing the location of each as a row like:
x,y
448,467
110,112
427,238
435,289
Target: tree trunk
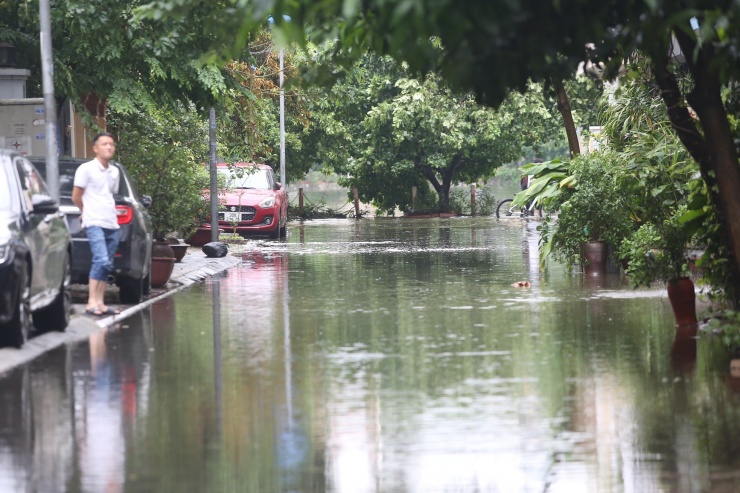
x,y
442,189
564,109
713,149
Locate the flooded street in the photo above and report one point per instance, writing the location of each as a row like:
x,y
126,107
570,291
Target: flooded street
x,y
382,355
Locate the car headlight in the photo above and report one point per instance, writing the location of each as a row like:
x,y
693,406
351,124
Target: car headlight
x,y
267,202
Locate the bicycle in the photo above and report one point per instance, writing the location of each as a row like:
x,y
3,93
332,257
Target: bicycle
x,y
504,210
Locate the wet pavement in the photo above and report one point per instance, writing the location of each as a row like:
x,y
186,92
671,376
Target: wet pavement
x,y
381,356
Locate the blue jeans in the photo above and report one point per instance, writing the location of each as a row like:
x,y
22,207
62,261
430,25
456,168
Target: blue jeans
x,y
103,245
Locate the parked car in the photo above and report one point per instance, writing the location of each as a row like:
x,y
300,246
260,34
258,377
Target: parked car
x,y
133,259
253,203
35,253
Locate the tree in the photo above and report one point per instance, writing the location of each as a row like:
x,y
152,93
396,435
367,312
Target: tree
x,y
491,47
101,49
388,132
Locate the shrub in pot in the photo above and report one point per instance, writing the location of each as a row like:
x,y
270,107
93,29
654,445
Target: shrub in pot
x,y
164,151
657,252
592,211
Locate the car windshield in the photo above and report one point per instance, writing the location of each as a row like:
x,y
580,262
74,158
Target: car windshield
x,y
4,190
245,178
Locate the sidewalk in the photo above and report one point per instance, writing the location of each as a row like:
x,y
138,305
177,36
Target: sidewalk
x,y
194,267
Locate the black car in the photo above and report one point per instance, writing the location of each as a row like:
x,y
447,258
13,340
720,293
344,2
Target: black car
x,y
133,260
35,252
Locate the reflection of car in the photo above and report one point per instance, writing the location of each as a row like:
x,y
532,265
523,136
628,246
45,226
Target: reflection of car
x,y
253,202
35,254
133,259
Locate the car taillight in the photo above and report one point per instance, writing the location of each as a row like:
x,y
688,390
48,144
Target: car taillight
x,y
124,213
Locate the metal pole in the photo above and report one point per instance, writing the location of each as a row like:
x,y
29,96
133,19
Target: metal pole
x,y
214,180
282,123
50,107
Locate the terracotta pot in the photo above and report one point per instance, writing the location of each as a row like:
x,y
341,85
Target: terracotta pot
x,y
594,258
179,250
683,300
161,270
162,249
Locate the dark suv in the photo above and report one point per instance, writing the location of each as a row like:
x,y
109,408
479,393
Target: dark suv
x,y
35,251
133,260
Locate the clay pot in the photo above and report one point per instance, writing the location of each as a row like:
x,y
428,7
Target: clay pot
x,y
683,300
179,251
161,270
162,249
594,258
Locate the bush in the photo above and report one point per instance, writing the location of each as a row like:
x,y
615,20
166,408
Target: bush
x,y
164,152
594,210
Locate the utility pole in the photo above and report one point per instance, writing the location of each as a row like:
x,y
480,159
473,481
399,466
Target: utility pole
x,y
214,177
50,106
282,123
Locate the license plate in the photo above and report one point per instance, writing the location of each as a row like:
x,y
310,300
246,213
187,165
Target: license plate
x,y
232,216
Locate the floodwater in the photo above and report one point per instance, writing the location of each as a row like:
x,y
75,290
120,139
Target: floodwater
x,y
382,355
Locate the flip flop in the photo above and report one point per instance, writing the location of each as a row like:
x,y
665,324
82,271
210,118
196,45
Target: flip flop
x,y
110,311
95,311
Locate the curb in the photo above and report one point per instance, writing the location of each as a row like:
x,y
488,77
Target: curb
x,y
193,268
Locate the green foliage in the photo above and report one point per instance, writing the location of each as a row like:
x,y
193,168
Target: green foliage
x,y
386,132
657,252
103,48
164,153
656,171
485,202
593,210
727,324
700,220
550,180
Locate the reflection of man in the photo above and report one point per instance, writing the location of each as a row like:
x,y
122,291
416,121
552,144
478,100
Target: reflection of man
x,y
95,183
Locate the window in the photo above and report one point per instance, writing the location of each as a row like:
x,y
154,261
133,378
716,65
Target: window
x,y
246,178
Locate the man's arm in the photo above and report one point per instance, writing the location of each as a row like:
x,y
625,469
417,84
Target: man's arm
x,y
77,196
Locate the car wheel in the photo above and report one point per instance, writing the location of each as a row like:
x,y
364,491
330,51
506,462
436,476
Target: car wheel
x,y
15,332
284,231
274,235
131,290
56,315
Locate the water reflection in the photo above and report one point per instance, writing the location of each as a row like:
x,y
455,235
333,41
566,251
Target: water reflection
x,y
370,357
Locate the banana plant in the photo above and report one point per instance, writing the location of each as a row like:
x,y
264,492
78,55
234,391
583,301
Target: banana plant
x,y
549,180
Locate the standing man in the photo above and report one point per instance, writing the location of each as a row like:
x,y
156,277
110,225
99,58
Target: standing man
x,y
95,183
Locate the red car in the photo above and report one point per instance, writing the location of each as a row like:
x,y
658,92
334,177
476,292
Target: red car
x,y
251,202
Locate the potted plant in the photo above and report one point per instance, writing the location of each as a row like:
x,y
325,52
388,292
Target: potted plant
x,y
657,252
164,151
592,215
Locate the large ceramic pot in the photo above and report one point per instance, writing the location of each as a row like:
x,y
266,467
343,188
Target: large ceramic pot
x,y
161,270
179,250
163,261
162,249
683,300
594,258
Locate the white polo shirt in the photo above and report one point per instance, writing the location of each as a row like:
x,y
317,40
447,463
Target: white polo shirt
x,y
98,204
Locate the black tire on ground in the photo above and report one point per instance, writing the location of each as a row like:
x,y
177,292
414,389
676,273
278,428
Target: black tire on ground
x,y
15,332
284,231
503,209
131,290
56,316
274,235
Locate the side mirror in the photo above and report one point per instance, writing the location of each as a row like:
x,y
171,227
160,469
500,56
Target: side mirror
x,y
277,186
146,201
43,204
